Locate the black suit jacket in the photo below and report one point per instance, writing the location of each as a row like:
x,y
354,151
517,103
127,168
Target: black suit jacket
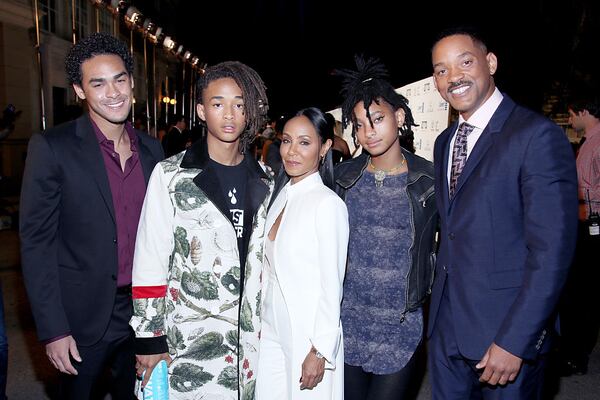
x,y
68,231
174,141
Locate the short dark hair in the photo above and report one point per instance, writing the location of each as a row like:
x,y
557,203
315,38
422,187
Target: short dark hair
x,y
94,45
585,99
370,83
254,93
476,35
177,118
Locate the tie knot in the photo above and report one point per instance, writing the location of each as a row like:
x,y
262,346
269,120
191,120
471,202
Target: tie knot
x,y
465,129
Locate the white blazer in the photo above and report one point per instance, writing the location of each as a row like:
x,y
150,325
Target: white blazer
x,y
310,261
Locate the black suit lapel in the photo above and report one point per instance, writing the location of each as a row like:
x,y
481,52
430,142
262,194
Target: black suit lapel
x,y
90,150
208,181
146,158
256,192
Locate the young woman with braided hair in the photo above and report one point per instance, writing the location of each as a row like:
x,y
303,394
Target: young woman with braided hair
x,y
392,215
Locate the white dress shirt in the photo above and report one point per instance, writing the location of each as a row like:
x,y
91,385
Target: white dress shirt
x,y
479,120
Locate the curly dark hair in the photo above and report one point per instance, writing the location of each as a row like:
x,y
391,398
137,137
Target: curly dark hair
x,y
94,45
254,93
370,83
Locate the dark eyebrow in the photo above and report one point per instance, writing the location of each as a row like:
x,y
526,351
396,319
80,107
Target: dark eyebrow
x,y
462,55
100,80
222,97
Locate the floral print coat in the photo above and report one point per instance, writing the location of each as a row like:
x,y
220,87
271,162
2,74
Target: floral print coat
x,y
187,278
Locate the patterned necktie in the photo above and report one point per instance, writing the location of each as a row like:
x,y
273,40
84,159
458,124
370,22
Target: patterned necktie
x,y
459,154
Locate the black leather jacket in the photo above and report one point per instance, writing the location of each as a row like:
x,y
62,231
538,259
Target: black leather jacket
x,y
424,220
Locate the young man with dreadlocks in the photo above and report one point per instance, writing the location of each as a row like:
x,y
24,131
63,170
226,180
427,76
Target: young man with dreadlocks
x,y
196,274
393,218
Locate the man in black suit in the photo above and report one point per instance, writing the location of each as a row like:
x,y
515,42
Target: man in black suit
x,y
82,194
176,140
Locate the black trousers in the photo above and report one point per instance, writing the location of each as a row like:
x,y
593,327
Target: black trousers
x,y
361,385
113,355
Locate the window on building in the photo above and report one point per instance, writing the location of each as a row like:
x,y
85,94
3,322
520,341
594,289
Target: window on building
x,y
48,15
82,18
106,21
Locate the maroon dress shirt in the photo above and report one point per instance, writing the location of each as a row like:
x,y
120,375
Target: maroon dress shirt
x,y
128,188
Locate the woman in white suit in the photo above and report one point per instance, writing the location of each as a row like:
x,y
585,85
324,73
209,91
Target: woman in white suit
x,y
301,350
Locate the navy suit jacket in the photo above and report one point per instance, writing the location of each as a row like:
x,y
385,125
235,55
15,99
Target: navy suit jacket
x,y
68,231
508,234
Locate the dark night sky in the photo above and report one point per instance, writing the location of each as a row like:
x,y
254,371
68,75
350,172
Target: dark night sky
x,y
295,44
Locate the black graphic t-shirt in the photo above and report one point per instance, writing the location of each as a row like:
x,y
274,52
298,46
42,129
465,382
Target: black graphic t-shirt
x,y
233,181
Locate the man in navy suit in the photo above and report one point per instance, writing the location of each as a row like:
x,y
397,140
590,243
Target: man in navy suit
x,y
507,197
82,194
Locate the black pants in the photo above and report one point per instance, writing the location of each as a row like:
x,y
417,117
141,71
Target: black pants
x,y
578,308
361,385
115,352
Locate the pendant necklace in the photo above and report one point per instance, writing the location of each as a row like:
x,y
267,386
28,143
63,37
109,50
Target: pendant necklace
x,y
381,174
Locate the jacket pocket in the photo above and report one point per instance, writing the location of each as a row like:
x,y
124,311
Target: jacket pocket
x,y
506,279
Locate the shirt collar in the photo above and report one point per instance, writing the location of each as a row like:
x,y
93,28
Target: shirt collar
x,y
482,116
592,132
128,128
304,185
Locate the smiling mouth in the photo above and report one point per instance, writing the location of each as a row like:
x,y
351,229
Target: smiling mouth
x,y
458,90
116,106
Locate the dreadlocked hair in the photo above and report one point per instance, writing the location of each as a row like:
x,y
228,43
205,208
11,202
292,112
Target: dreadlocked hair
x,y
254,94
370,83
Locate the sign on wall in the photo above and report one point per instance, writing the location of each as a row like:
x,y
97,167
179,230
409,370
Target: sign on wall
x,y
429,110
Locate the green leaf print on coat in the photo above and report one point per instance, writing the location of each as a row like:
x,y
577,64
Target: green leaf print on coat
x,y
187,377
175,338
231,280
258,304
139,307
182,246
249,388
188,196
228,378
171,164
201,285
155,325
246,316
207,347
232,338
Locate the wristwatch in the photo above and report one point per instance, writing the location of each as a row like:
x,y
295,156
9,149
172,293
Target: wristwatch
x,y
317,353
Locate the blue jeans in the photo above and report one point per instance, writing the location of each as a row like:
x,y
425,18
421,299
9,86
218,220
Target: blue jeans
x,y
3,349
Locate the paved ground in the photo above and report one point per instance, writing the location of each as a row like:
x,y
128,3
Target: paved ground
x,y
30,376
